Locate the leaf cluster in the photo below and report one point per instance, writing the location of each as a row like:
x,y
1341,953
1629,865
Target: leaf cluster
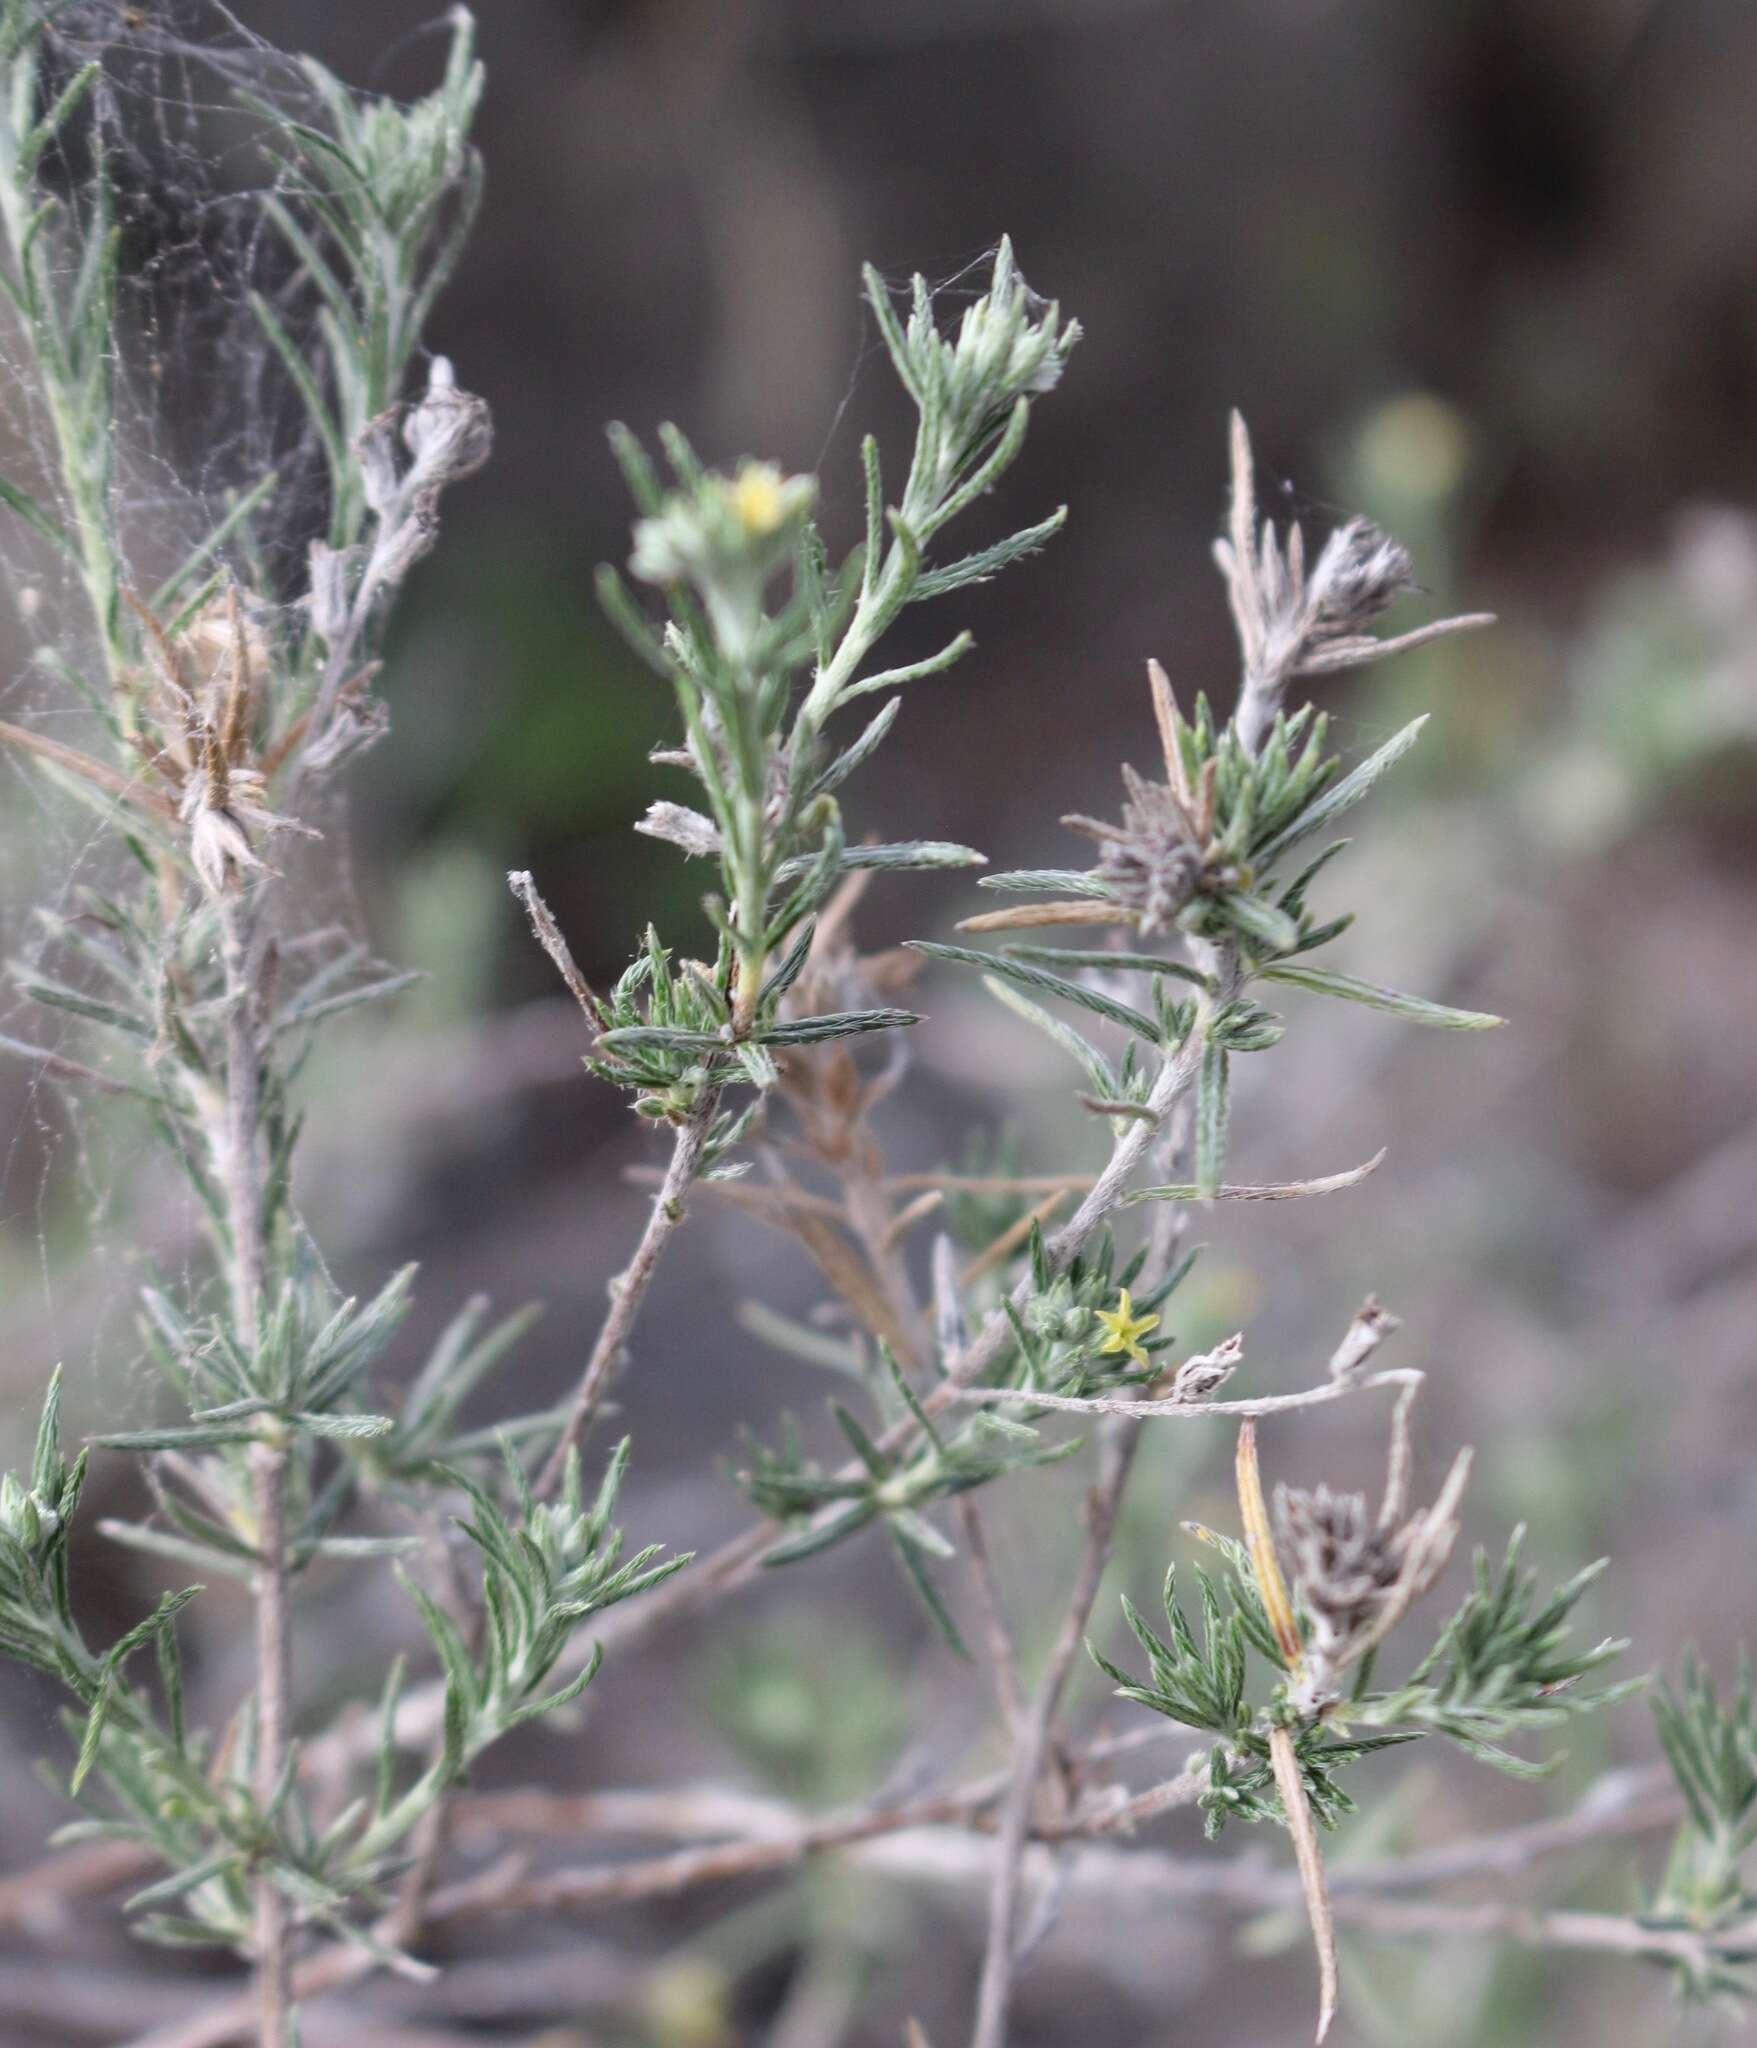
x,y
375,203
1058,1337
60,279
669,1036
545,1569
1215,838
824,1508
1711,1744
765,639
298,1377
159,1786
1502,1665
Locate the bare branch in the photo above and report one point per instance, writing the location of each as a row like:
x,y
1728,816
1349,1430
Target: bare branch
x,y
549,937
1116,1455
628,1290
1297,1810
1181,1411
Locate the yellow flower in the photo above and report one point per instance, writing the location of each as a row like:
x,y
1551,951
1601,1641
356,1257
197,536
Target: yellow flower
x,y
758,499
1124,1329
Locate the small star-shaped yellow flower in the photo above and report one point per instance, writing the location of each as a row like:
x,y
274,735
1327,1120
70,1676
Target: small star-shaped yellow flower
x,y
1124,1329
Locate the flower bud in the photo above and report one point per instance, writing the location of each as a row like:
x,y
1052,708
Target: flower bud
x,y
1371,1326
450,433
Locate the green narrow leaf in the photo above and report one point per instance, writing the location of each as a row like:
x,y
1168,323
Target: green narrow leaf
x,y
636,466
862,750
911,1400
351,1427
51,993
453,1652
1097,1069
864,1448
170,1663
815,1537
916,1572
299,370
301,1013
1043,982
94,1735
949,656
160,1543
181,1881
920,1534
567,1693
174,1437
1048,882
620,608
385,1782
1257,921
838,1024
1324,981
908,855
33,515
1341,796
46,1460
1120,963
989,561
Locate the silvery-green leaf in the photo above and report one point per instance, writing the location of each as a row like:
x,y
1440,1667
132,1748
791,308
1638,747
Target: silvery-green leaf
x,y
1324,981
1027,975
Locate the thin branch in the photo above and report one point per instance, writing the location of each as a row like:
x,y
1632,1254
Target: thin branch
x,y
927,1839
997,1637
1296,1810
1116,1455
912,1213
236,1147
628,1290
274,1993
1265,1191
738,1561
776,1204
238,1160
39,1897
549,937
1182,1411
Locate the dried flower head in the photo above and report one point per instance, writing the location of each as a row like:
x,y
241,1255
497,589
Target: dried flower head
x,y
1355,1574
1345,1568
1372,1324
195,723
1293,623
447,436
679,826
1152,860
1207,1371
450,433
1361,572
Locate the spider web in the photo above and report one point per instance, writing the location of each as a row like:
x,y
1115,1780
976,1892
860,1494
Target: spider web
x,y
204,411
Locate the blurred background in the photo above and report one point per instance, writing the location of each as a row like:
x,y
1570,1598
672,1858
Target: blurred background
x,y
1485,270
